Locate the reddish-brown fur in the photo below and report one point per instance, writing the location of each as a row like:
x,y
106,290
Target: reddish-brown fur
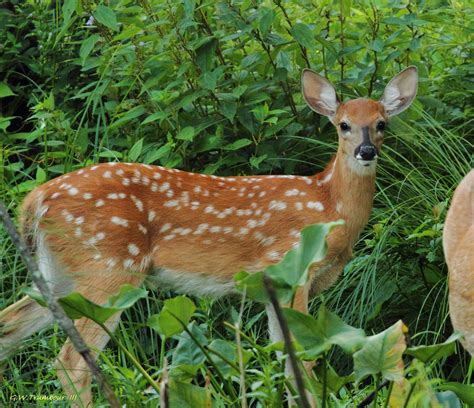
x,y
458,243
110,224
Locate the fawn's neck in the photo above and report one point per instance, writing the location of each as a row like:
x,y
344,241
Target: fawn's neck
x,y
351,190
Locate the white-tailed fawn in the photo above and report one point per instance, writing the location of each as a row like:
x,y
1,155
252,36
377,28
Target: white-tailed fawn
x,y
98,228
458,244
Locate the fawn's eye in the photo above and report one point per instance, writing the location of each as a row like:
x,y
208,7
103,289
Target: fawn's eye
x,y
381,126
344,126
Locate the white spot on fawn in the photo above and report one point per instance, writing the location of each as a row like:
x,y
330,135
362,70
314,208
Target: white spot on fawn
x,y
277,205
87,196
151,215
165,227
99,203
133,249
293,192
315,205
119,221
107,174
73,191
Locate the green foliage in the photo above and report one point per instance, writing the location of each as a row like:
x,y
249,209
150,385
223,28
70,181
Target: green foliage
x,y
292,271
214,87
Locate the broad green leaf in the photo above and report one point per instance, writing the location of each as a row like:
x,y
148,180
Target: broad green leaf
x,y
87,46
463,391
293,269
76,305
382,353
5,90
184,395
435,351
187,353
127,296
106,16
136,150
303,35
174,316
320,334
228,351
228,109
186,133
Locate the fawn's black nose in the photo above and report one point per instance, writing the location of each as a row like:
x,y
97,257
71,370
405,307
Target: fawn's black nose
x,y
365,152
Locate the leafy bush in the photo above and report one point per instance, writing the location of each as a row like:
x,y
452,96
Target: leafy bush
x,y
214,87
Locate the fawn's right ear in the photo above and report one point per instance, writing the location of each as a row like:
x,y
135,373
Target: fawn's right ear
x,y
319,94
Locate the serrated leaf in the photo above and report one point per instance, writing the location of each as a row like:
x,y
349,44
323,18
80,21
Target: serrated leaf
x,y
106,16
382,353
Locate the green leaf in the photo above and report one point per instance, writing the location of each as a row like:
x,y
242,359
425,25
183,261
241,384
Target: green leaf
x,y
76,305
155,116
87,46
293,269
174,316
255,161
319,335
377,45
228,351
303,35
238,144
228,109
435,352
266,21
382,353
40,175
136,150
463,391
186,133
106,16
187,352
5,90
184,395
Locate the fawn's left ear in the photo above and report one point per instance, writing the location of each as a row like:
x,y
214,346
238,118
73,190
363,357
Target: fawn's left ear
x,y
400,91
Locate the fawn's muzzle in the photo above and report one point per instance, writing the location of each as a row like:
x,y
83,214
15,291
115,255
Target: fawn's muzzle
x,y
365,152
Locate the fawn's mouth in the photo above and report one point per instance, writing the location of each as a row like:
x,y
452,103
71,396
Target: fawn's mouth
x,y
367,163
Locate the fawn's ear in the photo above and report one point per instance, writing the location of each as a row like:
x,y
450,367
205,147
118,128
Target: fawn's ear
x,y
400,91
319,94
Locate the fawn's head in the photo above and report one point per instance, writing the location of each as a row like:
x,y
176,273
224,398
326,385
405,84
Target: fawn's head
x,y
360,122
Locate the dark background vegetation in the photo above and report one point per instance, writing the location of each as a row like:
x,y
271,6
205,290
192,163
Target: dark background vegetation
x,y
214,87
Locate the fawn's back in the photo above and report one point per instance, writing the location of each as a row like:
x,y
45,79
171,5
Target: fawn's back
x,y
182,225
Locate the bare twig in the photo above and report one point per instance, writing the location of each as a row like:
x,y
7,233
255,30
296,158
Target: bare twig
x,y
59,315
303,400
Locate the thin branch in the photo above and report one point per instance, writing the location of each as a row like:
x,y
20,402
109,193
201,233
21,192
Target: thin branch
x,y
58,313
302,401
